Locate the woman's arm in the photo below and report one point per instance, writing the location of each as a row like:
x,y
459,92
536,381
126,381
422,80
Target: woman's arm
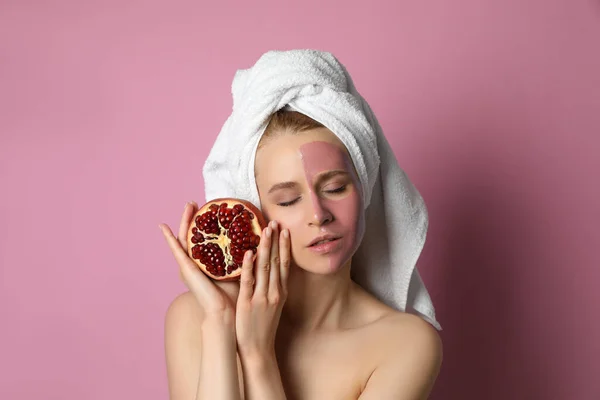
x,y
263,291
200,339
218,365
195,369
262,379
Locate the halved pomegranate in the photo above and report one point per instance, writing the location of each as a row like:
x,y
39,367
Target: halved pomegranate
x,y
221,231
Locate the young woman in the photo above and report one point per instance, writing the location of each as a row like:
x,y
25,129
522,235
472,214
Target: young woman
x,y
296,326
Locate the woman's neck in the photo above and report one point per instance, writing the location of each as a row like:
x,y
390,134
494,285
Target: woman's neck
x,y
317,302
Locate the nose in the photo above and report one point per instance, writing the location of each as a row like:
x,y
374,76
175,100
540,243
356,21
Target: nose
x,y
320,214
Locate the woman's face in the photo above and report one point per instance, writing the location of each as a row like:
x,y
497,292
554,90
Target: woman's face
x,y
307,183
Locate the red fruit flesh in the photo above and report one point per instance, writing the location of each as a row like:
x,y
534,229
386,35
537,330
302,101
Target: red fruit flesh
x,y
220,233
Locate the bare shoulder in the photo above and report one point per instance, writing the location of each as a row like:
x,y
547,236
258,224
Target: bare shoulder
x,y
184,308
398,330
404,354
417,338
183,322
409,358
394,328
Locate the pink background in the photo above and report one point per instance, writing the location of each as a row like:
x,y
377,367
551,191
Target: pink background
x,y
108,109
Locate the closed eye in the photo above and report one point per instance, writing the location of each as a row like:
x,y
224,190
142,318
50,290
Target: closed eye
x,y
341,189
289,203
338,190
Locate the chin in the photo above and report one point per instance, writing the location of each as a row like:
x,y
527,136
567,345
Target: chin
x,y
321,265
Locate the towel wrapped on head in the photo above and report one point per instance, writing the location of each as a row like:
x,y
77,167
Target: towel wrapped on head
x,y
316,84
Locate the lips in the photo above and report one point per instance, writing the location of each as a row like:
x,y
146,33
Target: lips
x,y
322,240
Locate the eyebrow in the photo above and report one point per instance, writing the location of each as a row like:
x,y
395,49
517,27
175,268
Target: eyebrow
x,y
282,185
323,177
330,174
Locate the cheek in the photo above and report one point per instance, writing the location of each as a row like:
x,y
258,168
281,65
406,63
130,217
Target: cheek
x,y
349,212
287,219
351,219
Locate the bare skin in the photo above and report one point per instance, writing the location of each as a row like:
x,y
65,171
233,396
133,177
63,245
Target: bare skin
x,y
333,339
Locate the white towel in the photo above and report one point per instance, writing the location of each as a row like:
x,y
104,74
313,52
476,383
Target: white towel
x,y
316,84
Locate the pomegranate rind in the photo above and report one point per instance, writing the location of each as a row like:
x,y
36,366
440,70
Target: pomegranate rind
x,y
258,223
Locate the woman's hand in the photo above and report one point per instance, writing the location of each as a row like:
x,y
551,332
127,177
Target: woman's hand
x,y
263,291
217,299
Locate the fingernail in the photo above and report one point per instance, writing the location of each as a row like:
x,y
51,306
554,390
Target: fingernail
x,y
268,232
274,224
285,233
